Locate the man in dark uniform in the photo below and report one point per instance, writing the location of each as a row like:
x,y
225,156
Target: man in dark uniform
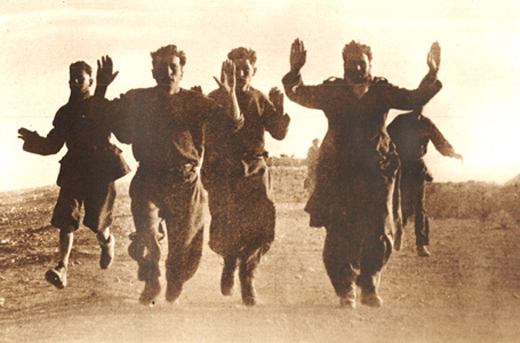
x,y
237,178
87,171
165,124
411,132
355,179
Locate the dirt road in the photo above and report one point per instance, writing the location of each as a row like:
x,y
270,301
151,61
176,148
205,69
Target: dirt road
x,y
468,291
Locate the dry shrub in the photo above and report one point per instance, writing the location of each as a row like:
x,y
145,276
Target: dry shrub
x,y
476,200
465,200
501,220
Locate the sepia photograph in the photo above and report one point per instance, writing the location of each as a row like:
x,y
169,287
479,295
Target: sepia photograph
x,y
259,171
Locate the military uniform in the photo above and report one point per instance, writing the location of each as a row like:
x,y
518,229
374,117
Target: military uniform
x,y
166,133
238,181
89,168
356,175
411,133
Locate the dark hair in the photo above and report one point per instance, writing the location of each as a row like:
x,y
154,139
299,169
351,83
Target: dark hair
x,y
239,53
357,47
80,65
169,50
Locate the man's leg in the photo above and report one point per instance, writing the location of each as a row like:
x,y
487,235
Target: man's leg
x,y
185,225
373,257
422,227
377,224
341,255
146,249
227,280
58,275
99,202
249,260
406,197
66,217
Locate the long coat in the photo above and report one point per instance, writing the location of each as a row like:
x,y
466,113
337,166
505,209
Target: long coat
x,y
237,178
358,162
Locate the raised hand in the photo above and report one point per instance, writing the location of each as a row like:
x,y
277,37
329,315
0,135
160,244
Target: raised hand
x,y
276,97
227,80
298,55
105,72
434,58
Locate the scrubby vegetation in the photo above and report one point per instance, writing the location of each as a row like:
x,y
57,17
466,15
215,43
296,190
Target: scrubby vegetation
x,y
490,202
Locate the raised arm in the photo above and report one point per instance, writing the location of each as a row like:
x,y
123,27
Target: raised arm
x,y
441,143
405,99
105,75
308,96
227,83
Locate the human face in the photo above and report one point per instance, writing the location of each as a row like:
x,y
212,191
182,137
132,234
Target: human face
x,y
244,73
168,72
79,81
356,67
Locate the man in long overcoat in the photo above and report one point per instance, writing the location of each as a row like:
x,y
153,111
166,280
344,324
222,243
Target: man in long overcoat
x,y
358,165
237,178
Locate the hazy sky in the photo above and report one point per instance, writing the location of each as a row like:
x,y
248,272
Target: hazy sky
x,y
477,109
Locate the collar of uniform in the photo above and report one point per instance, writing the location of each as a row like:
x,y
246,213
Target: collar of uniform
x,y
79,98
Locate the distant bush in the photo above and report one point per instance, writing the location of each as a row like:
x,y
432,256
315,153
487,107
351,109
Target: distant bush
x,y
479,200
489,202
285,161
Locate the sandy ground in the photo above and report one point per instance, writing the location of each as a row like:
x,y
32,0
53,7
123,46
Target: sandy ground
x,y
468,291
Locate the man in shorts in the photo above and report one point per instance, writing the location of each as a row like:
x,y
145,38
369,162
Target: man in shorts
x,y
87,171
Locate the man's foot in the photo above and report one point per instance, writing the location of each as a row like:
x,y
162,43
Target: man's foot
x,y
107,251
152,289
57,276
349,299
422,251
248,293
347,303
370,298
173,292
249,300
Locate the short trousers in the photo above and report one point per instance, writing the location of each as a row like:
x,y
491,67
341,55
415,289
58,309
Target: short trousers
x,y
97,199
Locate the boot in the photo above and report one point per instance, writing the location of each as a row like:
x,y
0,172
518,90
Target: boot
x,y
423,251
371,298
57,276
348,300
247,287
107,251
152,289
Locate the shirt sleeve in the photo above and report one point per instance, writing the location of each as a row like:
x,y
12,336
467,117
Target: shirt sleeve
x,y
309,96
441,144
119,114
405,99
52,143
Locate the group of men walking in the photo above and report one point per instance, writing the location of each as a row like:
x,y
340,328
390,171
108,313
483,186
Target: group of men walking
x,y
175,132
